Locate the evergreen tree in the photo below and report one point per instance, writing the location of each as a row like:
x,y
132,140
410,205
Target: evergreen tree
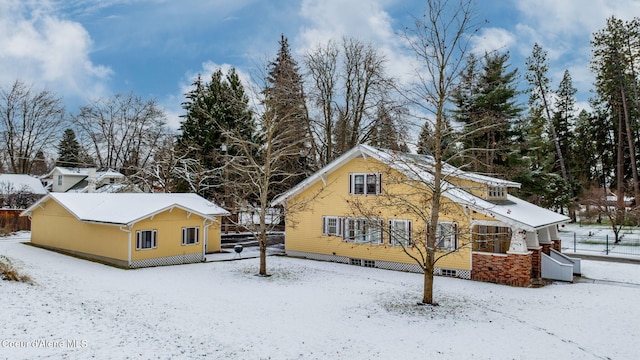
x,y
615,51
564,117
212,108
592,149
387,132
69,150
40,166
285,102
487,108
540,99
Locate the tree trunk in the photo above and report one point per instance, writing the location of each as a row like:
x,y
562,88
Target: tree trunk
x,y
427,296
630,142
620,171
263,249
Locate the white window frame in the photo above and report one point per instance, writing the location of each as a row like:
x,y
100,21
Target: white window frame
x,y
362,231
374,179
496,192
139,239
59,180
331,230
399,237
185,235
447,236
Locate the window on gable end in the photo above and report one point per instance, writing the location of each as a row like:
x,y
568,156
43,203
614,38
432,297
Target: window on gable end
x,y
365,183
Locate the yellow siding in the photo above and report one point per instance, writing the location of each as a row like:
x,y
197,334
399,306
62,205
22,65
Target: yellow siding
x,y
304,228
213,243
475,188
53,226
169,225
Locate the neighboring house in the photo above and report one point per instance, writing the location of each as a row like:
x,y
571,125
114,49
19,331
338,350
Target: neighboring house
x,y
128,230
17,192
82,180
493,236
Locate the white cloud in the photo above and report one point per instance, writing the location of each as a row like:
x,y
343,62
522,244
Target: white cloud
x,y
555,18
492,39
367,21
42,48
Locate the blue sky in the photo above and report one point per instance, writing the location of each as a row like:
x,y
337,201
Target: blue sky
x,y
84,49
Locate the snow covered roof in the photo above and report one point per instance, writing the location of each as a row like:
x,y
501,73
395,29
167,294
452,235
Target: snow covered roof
x,y
420,167
21,182
85,172
128,208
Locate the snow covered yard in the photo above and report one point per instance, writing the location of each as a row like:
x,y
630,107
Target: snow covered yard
x,y
306,310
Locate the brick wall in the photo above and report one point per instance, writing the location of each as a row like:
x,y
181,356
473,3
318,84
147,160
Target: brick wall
x,y
557,245
506,269
536,263
545,248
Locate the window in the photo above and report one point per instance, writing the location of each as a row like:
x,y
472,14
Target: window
x,y
449,272
400,232
497,192
365,184
146,239
494,239
190,235
331,225
363,231
59,180
447,236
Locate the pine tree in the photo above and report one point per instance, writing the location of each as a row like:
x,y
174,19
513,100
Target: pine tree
x,y
69,150
212,108
40,166
285,102
387,131
540,98
615,51
487,107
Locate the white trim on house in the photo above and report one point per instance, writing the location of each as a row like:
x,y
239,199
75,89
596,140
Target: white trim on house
x,y
128,208
514,211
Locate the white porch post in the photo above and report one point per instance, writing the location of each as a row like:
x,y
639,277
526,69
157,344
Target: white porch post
x,y
532,240
518,244
543,236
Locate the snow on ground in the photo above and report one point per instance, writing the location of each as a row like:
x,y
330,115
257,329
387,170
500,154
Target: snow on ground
x,y
306,310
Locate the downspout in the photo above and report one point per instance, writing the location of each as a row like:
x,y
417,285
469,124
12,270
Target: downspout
x,y
205,224
124,228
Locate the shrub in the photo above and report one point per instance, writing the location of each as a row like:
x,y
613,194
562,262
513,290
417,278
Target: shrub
x,y
9,272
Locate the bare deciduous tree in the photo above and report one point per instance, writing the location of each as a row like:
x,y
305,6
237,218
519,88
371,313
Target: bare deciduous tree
x,y
260,164
124,131
439,41
348,87
29,123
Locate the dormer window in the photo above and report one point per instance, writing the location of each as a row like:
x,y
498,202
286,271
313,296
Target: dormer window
x,y
497,193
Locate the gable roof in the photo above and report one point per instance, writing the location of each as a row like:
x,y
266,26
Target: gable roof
x,y
23,183
420,167
128,208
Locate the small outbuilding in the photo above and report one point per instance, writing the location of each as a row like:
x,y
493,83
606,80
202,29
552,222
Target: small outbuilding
x,y
17,192
129,230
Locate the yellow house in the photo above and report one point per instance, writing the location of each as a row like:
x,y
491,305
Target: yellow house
x,y
370,206
128,230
